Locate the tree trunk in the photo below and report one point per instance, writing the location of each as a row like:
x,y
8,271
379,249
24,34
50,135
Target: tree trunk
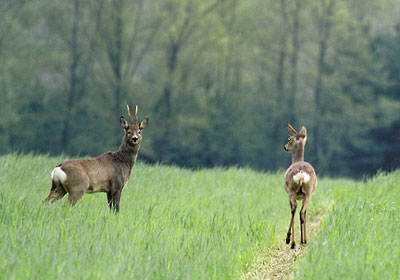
x,y
280,83
291,116
116,54
73,82
163,107
324,34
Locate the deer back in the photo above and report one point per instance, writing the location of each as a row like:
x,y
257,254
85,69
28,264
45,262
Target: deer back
x,y
97,173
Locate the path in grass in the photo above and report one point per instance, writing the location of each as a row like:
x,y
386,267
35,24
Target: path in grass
x,y
278,262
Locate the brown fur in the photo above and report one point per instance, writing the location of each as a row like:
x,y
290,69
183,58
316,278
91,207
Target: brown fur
x,y
301,190
107,173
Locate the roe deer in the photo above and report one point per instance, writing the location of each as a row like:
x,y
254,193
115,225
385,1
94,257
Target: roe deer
x,y
106,173
300,180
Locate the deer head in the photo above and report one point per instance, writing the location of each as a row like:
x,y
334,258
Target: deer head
x,y
133,130
296,140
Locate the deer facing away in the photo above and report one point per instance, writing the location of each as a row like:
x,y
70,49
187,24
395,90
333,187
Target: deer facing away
x,y
106,173
300,180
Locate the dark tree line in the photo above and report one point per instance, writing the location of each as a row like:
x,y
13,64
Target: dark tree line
x,y
217,78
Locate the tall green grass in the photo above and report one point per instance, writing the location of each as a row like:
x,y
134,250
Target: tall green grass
x,y
173,224
182,224
361,237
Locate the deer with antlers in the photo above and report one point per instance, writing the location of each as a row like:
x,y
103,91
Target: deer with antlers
x,y
300,180
107,173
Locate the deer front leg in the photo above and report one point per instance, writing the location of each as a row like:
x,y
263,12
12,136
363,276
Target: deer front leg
x,y
115,199
303,212
109,199
116,189
293,206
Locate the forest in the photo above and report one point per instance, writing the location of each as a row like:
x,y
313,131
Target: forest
x,y
218,80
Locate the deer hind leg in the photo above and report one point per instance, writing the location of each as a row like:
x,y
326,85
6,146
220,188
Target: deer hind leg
x,y
303,212
77,188
293,206
57,192
74,196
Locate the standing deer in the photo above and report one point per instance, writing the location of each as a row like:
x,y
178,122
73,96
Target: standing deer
x,y
300,180
107,173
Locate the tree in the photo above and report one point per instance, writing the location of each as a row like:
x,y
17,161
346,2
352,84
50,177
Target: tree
x,y
182,21
125,34
324,27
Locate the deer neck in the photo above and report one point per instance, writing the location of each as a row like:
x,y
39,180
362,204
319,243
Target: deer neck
x,y
298,155
128,153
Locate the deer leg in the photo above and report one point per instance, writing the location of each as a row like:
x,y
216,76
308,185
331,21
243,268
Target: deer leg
x,y
304,228
293,206
77,191
73,197
56,195
116,188
301,226
56,192
115,199
109,199
303,212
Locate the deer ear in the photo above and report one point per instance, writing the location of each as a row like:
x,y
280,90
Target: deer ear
x,y
291,130
144,123
123,122
303,131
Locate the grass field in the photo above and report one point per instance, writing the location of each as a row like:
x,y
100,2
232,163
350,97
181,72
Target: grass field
x,y
173,224
360,239
182,224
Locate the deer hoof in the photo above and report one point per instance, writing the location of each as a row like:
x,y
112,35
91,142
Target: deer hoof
x,y
293,245
288,239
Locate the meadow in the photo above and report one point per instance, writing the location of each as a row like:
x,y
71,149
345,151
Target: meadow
x,y
173,224
360,239
176,223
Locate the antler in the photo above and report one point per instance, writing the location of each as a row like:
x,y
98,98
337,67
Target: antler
x,y
129,114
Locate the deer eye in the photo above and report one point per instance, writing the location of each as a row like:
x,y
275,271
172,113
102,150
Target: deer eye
x,y
139,132
128,132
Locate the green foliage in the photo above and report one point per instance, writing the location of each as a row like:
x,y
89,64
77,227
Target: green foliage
x,y
216,78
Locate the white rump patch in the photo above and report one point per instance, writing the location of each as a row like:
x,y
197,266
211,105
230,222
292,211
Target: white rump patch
x,y
58,175
300,175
